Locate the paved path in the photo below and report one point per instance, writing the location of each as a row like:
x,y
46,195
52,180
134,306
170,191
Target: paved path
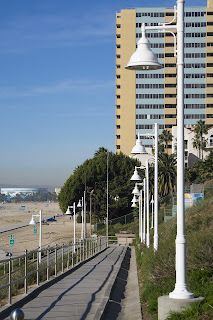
x,y
80,295
124,303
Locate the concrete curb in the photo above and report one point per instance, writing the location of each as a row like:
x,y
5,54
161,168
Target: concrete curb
x,y
101,309
6,310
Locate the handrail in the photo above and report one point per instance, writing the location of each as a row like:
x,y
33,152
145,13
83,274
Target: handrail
x,y
54,260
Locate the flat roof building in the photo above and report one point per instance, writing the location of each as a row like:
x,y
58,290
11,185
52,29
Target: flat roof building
x,y
143,98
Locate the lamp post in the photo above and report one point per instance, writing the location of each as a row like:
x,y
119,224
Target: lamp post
x,y
80,206
152,206
145,59
138,193
33,222
90,210
74,223
140,149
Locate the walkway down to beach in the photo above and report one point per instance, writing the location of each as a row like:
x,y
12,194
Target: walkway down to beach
x,y
82,294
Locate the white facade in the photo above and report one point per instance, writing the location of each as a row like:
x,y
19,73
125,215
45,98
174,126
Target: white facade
x,y
192,154
12,192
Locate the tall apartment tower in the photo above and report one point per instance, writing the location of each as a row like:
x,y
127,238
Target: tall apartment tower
x,y
146,97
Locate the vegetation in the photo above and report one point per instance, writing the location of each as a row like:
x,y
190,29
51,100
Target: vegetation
x,y
199,141
157,271
92,175
164,138
201,171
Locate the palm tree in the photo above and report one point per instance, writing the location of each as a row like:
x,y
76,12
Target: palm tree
x,y
199,141
167,174
165,137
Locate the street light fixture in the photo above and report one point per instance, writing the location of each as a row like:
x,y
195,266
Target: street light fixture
x,y
33,223
144,59
80,205
74,222
154,135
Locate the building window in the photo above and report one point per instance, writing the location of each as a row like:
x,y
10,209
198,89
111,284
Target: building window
x,y
118,106
194,116
147,126
149,96
170,65
170,106
118,116
195,96
169,116
209,116
194,85
118,126
170,85
118,96
170,95
149,106
195,65
194,75
149,76
118,136
118,146
149,86
118,76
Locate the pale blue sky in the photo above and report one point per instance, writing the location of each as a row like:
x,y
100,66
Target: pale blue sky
x,y
57,70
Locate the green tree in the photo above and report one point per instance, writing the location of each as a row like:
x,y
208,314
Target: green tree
x,y
201,171
165,137
167,174
91,175
199,141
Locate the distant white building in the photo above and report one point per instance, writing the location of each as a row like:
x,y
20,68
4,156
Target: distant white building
x,y
13,192
192,154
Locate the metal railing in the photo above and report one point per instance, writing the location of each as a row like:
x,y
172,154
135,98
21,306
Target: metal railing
x,y
18,274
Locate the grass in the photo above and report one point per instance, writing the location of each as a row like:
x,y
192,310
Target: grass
x,y
157,271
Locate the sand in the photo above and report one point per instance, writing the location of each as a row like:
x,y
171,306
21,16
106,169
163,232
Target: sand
x,y
58,232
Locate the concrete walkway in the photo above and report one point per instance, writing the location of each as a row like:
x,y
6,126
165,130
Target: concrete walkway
x,y
124,303
83,294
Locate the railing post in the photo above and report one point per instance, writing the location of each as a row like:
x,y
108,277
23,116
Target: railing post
x,y
9,282
68,257
80,251
25,273
62,258
83,256
56,260
86,247
4,268
73,247
48,262
76,256
37,268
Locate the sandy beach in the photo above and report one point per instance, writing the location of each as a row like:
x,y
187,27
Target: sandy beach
x,y
58,232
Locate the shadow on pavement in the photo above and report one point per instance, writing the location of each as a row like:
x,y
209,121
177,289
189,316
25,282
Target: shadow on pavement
x,y
114,305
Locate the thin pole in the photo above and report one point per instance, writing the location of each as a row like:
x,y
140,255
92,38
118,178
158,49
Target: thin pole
x,y
144,210
107,201
147,204
82,218
155,240
141,215
74,227
180,291
40,235
152,205
90,211
85,218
